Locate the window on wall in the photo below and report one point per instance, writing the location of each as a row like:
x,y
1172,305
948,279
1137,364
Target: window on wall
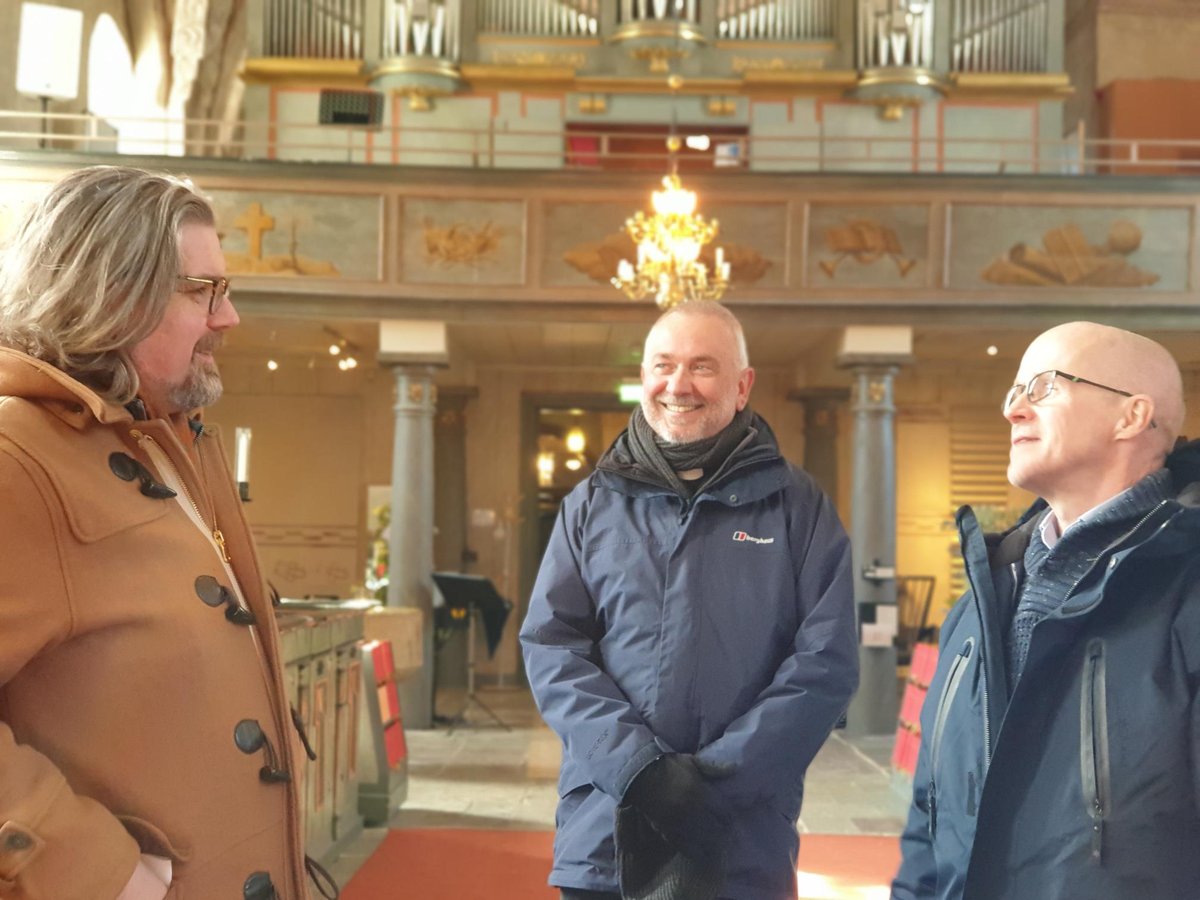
x,y
109,77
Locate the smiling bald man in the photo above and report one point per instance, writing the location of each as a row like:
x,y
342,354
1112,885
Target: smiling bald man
x,y
1059,754
690,638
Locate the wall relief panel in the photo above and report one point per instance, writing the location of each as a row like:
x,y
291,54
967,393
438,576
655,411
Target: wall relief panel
x,y
299,235
586,241
867,246
1065,247
462,241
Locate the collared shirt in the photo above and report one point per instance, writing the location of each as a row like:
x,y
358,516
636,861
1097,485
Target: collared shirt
x,y
1049,528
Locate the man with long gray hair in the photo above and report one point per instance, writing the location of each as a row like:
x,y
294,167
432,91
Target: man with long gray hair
x,y
690,637
146,742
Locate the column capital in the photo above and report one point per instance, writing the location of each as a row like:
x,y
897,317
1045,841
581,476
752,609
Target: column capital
x,y
817,394
875,361
414,361
416,392
873,388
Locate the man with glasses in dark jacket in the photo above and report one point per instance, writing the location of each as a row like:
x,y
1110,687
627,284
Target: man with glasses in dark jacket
x,y
690,637
1059,751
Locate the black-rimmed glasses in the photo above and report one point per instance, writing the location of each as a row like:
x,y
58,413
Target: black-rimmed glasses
x,y
1041,385
219,289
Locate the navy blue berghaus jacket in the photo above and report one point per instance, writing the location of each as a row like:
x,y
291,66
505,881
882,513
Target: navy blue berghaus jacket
x,y
1085,784
721,626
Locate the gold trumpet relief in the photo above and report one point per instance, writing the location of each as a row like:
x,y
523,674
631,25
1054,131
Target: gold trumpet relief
x,y
598,260
460,244
865,241
1065,258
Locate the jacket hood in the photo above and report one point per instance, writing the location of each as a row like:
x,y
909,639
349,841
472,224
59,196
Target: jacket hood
x,y
28,378
760,446
1184,511
1184,465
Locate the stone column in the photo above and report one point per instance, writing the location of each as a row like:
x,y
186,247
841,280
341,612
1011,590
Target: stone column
x,y
873,355
414,350
410,543
821,405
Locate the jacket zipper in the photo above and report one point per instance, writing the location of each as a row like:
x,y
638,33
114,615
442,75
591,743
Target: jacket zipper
x,y
163,462
1093,742
987,715
1118,542
953,680
987,727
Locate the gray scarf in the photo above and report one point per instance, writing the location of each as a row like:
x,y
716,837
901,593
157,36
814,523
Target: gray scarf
x,y
666,459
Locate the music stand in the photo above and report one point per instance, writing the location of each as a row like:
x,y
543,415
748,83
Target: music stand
x,y
466,597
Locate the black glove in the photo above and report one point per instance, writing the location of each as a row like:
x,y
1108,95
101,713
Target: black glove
x,y
679,803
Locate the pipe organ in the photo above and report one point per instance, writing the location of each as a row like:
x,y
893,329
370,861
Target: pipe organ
x,y
998,35
657,11
550,18
895,33
323,29
974,35
776,20
423,28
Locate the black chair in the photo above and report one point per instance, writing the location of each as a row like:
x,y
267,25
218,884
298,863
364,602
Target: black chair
x,y
467,597
914,593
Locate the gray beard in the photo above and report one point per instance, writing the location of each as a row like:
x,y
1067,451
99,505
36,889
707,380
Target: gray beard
x,y
202,388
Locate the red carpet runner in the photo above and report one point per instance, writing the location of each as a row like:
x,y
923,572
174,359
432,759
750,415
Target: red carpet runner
x,y
461,864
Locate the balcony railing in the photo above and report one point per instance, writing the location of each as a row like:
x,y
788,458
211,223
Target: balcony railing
x,y
554,148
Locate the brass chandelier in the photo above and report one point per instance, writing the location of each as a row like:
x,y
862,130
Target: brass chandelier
x,y
669,244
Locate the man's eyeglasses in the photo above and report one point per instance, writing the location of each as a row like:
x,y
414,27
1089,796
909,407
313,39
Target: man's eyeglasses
x,y
219,290
1041,385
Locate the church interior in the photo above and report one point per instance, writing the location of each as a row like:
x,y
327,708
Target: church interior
x,y
427,213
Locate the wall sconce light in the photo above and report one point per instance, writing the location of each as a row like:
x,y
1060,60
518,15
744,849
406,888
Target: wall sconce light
x,y
545,469
576,440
